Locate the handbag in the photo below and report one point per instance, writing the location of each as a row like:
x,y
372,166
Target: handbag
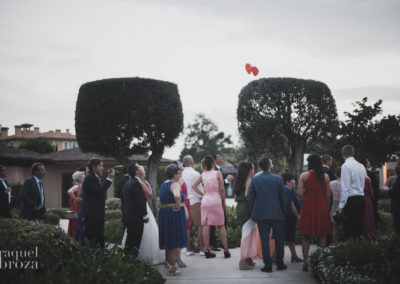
x,y
339,218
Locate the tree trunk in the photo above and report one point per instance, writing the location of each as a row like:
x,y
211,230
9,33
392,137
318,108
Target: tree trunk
x,y
296,157
152,176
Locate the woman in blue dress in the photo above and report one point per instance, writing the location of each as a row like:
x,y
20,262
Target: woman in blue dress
x,y
171,218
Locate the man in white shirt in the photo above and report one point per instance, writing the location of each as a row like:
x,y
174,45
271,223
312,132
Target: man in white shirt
x,y
189,175
352,194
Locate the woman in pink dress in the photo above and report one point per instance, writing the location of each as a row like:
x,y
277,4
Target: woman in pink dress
x,y
212,204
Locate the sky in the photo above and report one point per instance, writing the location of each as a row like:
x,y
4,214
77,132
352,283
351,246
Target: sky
x,y
49,48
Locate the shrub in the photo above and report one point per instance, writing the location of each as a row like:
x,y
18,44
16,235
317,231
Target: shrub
x,y
359,261
113,204
113,231
60,212
61,260
234,230
113,214
54,246
384,204
52,219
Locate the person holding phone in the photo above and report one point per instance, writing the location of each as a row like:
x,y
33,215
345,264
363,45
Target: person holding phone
x,y
93,201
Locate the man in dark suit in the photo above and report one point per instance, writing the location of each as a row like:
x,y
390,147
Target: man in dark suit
x,y
93,202
327,164
267,202
32,194
134,211
122,181
5,192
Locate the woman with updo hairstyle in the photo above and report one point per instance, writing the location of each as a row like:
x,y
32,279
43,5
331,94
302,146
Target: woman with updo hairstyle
x,y
212,204
75,199
315,218
171,218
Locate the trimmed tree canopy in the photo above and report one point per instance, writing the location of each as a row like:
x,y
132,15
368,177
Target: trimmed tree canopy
x,y
285,115
123,116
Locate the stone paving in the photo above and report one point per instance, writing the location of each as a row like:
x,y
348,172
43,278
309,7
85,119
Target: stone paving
x,y
220,270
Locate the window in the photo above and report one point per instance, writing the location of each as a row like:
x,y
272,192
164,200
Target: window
x,y
74,145
65,145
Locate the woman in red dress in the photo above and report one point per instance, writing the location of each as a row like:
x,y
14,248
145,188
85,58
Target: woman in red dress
x,y
315,221
75,199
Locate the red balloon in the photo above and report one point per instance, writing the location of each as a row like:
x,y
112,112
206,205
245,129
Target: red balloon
x,y
248,68
254,70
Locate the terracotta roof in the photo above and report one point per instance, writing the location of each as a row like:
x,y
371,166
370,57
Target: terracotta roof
x,y
20,154
47,135
70,155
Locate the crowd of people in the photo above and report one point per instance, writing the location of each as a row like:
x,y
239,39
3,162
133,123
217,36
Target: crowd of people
x,y
268,207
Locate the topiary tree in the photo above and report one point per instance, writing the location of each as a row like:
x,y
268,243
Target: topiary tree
x,y
124,116
284,116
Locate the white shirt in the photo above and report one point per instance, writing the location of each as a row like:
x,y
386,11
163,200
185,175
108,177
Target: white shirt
x,y
38,182
6,187
189,175
352,179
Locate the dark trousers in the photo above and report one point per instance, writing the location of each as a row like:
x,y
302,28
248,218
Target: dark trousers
x,y
134,237
94,230
278,227
354,217
396,219
213,237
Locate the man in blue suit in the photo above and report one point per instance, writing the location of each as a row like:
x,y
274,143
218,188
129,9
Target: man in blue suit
x,y
267,203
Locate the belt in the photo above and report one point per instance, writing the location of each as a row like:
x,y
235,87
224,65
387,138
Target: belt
x,y
170,205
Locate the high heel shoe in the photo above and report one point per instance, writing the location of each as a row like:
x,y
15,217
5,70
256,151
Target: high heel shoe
x,y
296,259
209,254
227,254
171,270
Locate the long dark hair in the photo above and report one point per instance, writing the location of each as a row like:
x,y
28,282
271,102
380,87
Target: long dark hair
x,y
244,169
315,164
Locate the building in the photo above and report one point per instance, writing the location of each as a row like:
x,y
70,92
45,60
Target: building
x,y
60,140
59,166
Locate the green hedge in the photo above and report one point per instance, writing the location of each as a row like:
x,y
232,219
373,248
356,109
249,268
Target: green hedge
x,y
113,204
113,214
359,261
113,231
61,260
52,219
60,212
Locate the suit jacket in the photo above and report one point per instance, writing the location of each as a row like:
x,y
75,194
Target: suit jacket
x,y
328,171
93,196
267,198
133,202
120,186
30,197
4,205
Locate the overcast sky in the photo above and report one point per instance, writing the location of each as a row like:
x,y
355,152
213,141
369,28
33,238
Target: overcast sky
x,y
49,48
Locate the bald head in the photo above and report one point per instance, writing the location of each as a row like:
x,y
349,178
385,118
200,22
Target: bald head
x,y
187,161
